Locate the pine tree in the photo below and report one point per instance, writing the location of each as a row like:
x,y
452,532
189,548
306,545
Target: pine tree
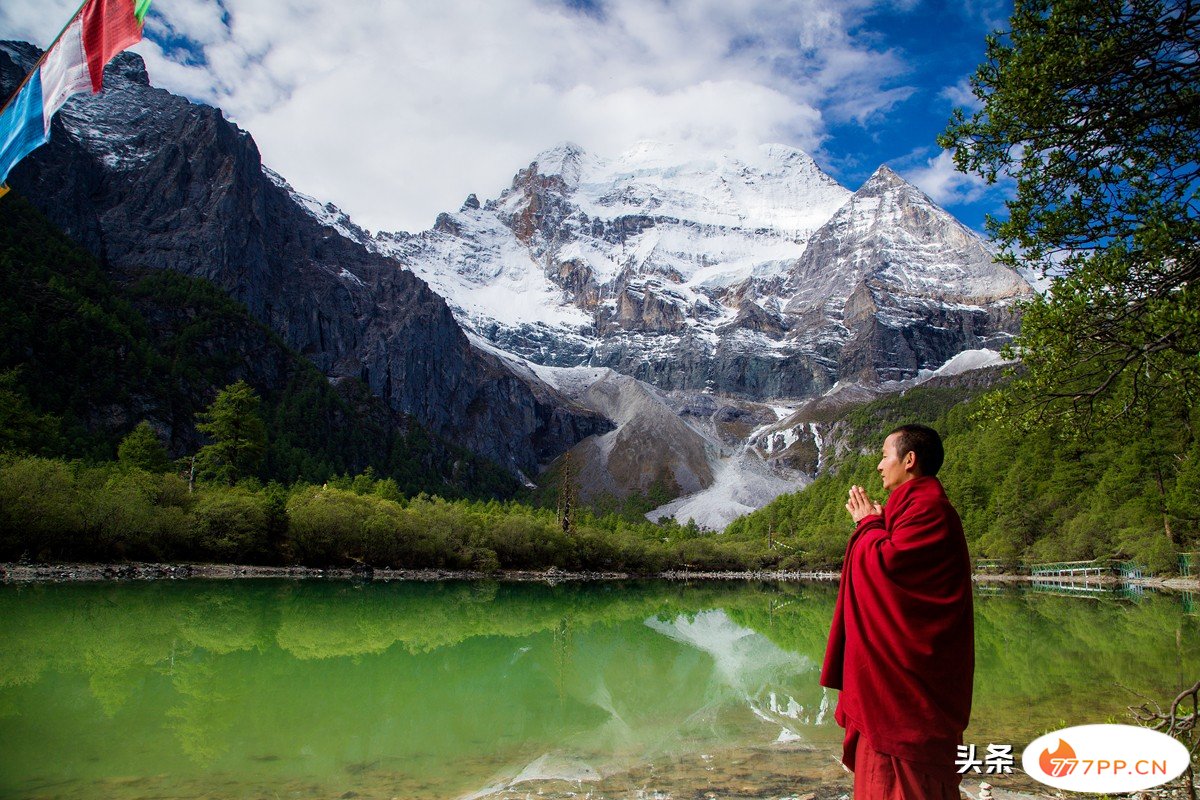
x,y
238,433
142,449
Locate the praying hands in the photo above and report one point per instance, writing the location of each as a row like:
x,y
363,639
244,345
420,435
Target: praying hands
x,y
860,505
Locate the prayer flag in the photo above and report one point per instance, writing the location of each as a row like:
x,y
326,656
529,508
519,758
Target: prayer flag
x,y
21,126
74,63
109,26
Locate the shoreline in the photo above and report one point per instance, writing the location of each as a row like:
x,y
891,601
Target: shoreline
x,y
142,571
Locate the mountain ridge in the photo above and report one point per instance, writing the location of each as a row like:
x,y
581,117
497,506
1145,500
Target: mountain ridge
x,y
754,276
684,273
146,179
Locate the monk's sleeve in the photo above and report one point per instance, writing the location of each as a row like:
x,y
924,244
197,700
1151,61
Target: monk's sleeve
x,y
919,545
871,522
833,668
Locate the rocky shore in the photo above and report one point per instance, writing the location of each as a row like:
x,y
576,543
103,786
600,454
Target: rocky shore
x,y
137,571
58,573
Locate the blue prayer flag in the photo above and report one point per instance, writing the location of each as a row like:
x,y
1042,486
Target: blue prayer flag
x,y
21,127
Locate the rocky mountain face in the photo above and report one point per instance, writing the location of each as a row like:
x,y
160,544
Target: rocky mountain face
x,y
157,346
148,180
675,318
752,275
715,306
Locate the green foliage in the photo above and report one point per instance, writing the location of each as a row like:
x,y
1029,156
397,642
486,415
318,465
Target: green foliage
x,y
238,433
1092,108
40,509
231,525
142,449
22,428
78,344
1022,497
53,510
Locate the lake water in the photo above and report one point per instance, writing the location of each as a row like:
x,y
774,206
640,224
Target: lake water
x,y
279,689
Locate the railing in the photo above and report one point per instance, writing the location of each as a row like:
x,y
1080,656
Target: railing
x,y
1189,566
1092,578
1072,589
1000,565
1071,569
1129,570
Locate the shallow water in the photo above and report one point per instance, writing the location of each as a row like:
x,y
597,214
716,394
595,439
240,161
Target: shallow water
x,y
447,690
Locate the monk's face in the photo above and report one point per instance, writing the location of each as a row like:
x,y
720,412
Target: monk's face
x,y
893,469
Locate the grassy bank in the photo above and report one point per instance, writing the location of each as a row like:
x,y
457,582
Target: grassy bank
x,y
52,510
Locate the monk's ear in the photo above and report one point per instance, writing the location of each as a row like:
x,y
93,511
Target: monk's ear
x,y
910,461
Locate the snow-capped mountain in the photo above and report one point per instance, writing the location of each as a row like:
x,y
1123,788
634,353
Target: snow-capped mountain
x,y
751,274
654,314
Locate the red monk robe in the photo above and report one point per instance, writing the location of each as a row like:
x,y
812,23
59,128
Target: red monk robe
x,y
902,644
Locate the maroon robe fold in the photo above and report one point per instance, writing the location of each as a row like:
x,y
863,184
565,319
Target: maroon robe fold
x,y
902,644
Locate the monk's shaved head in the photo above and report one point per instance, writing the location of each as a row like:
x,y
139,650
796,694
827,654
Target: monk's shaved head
x,y
922,441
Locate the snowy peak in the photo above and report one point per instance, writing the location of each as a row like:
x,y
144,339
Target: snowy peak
x,y
563,161
887,200
745,272
882,180
890,237
772,186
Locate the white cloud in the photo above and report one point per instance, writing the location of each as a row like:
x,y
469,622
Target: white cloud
x,y
34,21
396,111
960,95
990,15
938,178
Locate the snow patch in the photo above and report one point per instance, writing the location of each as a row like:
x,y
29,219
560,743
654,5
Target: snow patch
x,y
968,360
1039,282
571,381
326,214
741,484
347,275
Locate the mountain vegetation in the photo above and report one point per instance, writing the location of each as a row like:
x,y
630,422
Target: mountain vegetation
x,y
105,376
1021,498
90,354
1034,495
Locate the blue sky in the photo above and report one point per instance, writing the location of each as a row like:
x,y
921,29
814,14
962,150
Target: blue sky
x,y
942,45
397,109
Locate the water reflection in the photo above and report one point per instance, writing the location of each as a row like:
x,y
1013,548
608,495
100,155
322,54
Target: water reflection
x,y
440,690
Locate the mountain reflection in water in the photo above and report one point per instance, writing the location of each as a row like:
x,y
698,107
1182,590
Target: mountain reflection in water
x,y
463,689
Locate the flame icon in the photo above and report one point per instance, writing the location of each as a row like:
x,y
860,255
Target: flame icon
x,y
1061,762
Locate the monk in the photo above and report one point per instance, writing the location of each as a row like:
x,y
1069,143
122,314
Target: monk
x,y
902,644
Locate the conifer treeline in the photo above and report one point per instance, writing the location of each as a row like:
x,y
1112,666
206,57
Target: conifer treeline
x,y
1022,496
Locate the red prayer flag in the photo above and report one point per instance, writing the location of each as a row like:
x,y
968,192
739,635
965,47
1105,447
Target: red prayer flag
x,y
109,26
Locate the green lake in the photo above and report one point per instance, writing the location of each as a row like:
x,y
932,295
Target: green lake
x,y
277,689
